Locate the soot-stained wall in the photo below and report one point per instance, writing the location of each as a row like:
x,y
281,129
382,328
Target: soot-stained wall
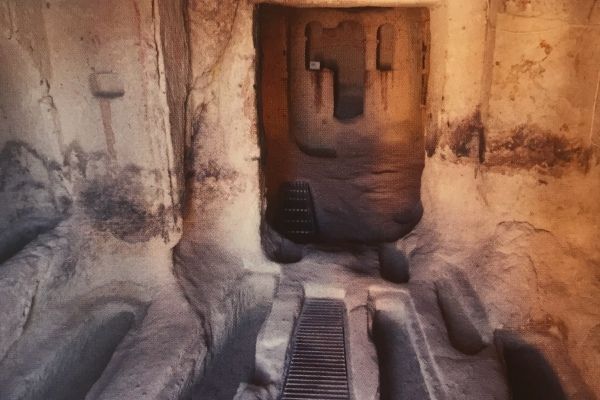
x,y
364,168
69,147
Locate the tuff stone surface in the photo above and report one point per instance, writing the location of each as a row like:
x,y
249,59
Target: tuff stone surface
x,y
393,264
364,172
465,317
509,190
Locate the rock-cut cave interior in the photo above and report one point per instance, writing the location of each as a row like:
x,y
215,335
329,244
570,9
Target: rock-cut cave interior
x,y
299,199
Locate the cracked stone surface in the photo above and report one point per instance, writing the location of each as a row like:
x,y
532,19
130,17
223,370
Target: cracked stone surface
x,y
99,253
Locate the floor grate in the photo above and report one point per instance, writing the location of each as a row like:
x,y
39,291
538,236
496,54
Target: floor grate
x,y
297,219
317,369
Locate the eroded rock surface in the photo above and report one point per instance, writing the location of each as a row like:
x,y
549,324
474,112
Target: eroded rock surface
x,y
34,195
24,283
393,263
66,362
465,317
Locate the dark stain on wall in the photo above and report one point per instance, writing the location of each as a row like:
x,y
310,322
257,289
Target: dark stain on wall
x,y
118,204
212,169
77,160
530,146
526,147
214,180
467,139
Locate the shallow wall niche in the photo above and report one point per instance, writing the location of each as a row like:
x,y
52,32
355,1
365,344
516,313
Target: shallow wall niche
x,y
341,50
340,110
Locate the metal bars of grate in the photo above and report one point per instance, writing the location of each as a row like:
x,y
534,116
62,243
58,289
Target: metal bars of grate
x,y
297,219
317,369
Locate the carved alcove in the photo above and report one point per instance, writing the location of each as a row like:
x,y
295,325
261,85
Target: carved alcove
x,y
340,112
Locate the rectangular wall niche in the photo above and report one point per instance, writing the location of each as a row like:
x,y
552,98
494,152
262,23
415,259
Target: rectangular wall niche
x,y
340,109
341,50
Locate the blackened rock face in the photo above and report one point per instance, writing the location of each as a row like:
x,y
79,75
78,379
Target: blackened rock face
x,y
120,205
531,146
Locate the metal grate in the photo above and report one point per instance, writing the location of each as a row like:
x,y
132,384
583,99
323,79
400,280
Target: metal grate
x,y
317,367
297,218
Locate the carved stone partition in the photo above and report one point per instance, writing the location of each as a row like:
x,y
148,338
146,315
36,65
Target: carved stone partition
x,y
331,117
